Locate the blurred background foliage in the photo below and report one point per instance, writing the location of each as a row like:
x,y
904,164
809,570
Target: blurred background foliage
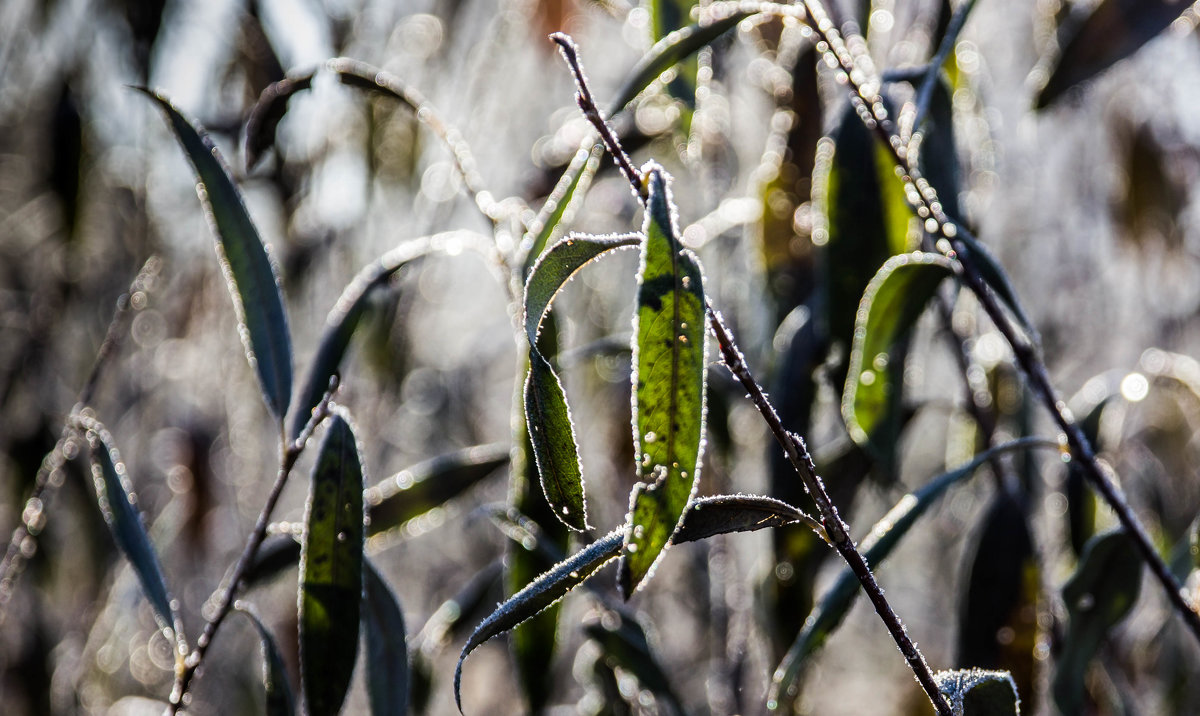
x,y
1089,203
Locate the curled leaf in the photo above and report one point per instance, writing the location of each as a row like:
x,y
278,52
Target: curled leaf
x,y
669,384
265,115
248,269
546,412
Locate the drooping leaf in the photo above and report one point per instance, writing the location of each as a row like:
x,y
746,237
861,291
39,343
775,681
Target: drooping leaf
x,y
890,306
998,627
387,649
669,383
879,543
546,412
248,268
280,700
331,571
539,594
344,317
975,692
571,185
1115,30
419,489
624,644
119,507
265,115
1102,591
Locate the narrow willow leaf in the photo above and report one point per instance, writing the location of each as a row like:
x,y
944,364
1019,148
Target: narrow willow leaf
x,y
890,307
722,514
1115,30
1102,591
879,543
267,112
331,571
555,211
546,412
539,594
624,645
669,383
997,279
998,628
975,692
344,317
419,489
278,553
939,151
119,507
248,269
280,700
387,649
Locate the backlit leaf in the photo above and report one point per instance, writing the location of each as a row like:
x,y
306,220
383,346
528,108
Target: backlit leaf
x,y
248,269
669,383
266,114
890,306
1102,591
546,412
331,571
387,649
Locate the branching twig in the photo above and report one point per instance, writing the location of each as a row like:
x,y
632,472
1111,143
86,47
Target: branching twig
x,y
226,594
835,529
953,242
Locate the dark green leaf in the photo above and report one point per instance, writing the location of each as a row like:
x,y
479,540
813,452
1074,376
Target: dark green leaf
x,y
280,701
266,114
331,571
539,594
432,483
890,306
349,309
546,412
387,650
939,150
1114,30
723,514
975,692
1103,589
878,544
669,383
119,507
624,644
244,260
277,553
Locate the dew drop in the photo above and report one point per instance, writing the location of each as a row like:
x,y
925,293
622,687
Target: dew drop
x,y
574,574
631,548
650,437
566,510
639,531
867,377
686,281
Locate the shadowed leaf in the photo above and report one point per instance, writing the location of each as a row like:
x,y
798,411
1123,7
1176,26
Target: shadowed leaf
x,y
419,489
878,544
331,571
280,700
265,115
624,645
119,507
890,306
1103,589
722,514
343,319
244,260
669,383
1114,30
975,692
546,412
387,650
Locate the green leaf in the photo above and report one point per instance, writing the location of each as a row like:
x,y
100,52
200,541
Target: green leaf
x,y
331,571
248,268
280,701
723,514
119,507
975,692
1114,30
1102,591
539,594
669,383
572,184
890,306
343,319
419,489
879,543
265,115
387,650
546,412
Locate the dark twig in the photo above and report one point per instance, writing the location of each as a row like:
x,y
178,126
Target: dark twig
x,y
592,111
952,240
836,532
226,594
